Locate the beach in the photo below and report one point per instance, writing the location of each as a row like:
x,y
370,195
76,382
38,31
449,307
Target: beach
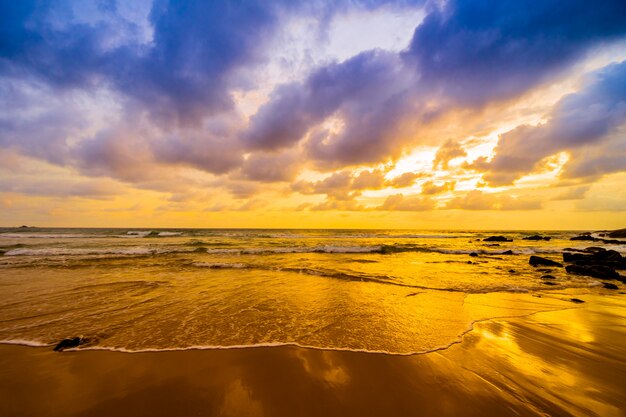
x,y
561,363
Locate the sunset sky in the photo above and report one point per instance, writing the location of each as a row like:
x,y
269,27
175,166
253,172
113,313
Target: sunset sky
x,y
409,114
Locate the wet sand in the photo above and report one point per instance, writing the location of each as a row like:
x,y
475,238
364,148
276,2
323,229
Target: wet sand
x,y
560,363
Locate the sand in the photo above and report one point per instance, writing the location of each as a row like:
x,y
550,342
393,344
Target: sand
x,y
560,363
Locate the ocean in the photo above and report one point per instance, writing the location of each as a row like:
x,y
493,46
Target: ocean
x,y
390,291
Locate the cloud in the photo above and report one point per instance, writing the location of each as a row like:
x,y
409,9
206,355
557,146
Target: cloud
x,y
345,185
150,97
365,92
475,51
399,202
573,193
429,187
182,75
579,120
478,200
447,152
271,167
405,180
464,54
341,205
55,187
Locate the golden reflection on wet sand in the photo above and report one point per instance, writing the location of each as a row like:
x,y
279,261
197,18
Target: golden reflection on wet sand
x,y
565,362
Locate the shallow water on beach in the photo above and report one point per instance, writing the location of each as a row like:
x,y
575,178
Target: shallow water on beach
x,y
389,291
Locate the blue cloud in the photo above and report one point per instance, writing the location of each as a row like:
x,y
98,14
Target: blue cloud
x,y
479,50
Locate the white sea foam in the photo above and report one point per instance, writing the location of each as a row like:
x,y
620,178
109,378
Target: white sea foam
x,y
169,234
22,342
139,233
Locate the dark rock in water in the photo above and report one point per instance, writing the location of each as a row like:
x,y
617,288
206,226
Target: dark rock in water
x,y
592,249
23,227
585,237
548,277
576,300
497,239
512,271
605,258
595,271
610,286
544,270
549,283
507,252
536,237
620,233
69,343
574,250
538,260
473,254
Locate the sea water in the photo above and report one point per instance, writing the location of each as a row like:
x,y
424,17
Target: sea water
x,y
394,291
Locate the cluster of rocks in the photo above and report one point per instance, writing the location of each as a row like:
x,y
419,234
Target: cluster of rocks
x,y
593,262
505,239
589,238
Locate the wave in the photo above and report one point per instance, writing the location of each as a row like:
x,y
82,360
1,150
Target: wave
x,y
366,278
138,250
440,347
200,247
365,236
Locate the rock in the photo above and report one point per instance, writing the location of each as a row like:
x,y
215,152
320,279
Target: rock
x,y
595,271
538,260
536,237
512,271
610,286
548,277
497,239
69,343
593,249
507,252
549,283
576,300
544,270
620,233
605,258
473,254
585,237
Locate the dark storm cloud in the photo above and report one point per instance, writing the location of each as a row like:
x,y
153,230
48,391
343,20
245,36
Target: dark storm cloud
x,y
475,51
356,88
580,123
181,75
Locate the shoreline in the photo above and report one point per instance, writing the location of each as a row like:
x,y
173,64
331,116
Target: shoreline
x,y
562,362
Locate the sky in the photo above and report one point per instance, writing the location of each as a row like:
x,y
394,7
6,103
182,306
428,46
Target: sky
x,y
442,114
